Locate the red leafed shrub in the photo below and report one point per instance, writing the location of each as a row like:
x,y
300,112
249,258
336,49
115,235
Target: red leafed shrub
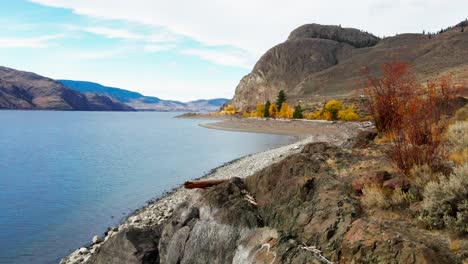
x,y
411,112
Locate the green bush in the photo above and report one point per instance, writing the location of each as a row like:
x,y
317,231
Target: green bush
x,y
445,203
297,114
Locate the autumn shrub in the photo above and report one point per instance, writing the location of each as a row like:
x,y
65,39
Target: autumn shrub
x,y
445,202
412,113
333,110
228,110
332,107
348,114
387,96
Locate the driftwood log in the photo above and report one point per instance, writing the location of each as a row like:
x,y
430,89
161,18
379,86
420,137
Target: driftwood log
x,y
202,184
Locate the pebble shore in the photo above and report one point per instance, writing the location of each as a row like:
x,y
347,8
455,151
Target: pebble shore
x,y
158,211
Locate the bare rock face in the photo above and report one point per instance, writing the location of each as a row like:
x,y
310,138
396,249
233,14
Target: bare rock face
x,y
320,62
26,90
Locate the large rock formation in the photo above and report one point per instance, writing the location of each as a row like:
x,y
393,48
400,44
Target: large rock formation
x,y
26,90
299,210
318,62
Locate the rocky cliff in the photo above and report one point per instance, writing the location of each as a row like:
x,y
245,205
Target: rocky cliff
x,y
319,61
298,210
26,90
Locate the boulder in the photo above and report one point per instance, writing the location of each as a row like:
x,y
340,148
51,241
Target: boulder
x,y
133,245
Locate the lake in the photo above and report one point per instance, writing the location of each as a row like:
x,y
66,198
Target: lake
x,y
66,176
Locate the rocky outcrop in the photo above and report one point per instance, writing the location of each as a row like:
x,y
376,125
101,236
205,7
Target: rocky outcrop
x,y
26,90
352,36
285,66
298,210
318,62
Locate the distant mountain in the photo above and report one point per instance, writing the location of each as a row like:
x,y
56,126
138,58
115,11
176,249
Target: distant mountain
x,y
320,62
26,90
142,102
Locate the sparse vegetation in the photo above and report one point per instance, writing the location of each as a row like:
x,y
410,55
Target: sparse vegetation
x,y
413,121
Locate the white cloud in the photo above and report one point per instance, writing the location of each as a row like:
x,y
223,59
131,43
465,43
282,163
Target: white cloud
x,y
112,32
223,57
98,54
152,48
255,26
30,42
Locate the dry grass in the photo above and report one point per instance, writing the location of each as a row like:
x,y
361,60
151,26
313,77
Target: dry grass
x,y
384,138
457,142
374,196
399,197
454,245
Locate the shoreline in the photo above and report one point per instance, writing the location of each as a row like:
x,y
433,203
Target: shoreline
x,y
159,209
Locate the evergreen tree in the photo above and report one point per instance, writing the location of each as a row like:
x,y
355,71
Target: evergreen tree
x,y
266,109
280,99
298,112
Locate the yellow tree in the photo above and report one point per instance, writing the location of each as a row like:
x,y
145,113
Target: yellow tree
x,y
286,111
259,111
273,110
332,107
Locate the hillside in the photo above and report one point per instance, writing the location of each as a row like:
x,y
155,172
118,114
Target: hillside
x,y
142,102
26,90
318,62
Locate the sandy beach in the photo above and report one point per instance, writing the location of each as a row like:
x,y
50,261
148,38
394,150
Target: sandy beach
x,y
159,210
321,130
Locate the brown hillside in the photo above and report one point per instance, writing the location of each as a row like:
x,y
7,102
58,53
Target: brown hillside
x,y
319,62
26,90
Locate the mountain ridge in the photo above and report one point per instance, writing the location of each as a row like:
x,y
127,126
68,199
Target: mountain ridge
x,y
28,90
142,102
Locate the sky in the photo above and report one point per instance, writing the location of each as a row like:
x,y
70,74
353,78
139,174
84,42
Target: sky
x,y
185,49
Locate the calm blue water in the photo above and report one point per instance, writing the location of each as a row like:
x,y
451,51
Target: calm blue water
x,y
65,176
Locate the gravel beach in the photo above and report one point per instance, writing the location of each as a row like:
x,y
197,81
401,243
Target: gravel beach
x,y
159,210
